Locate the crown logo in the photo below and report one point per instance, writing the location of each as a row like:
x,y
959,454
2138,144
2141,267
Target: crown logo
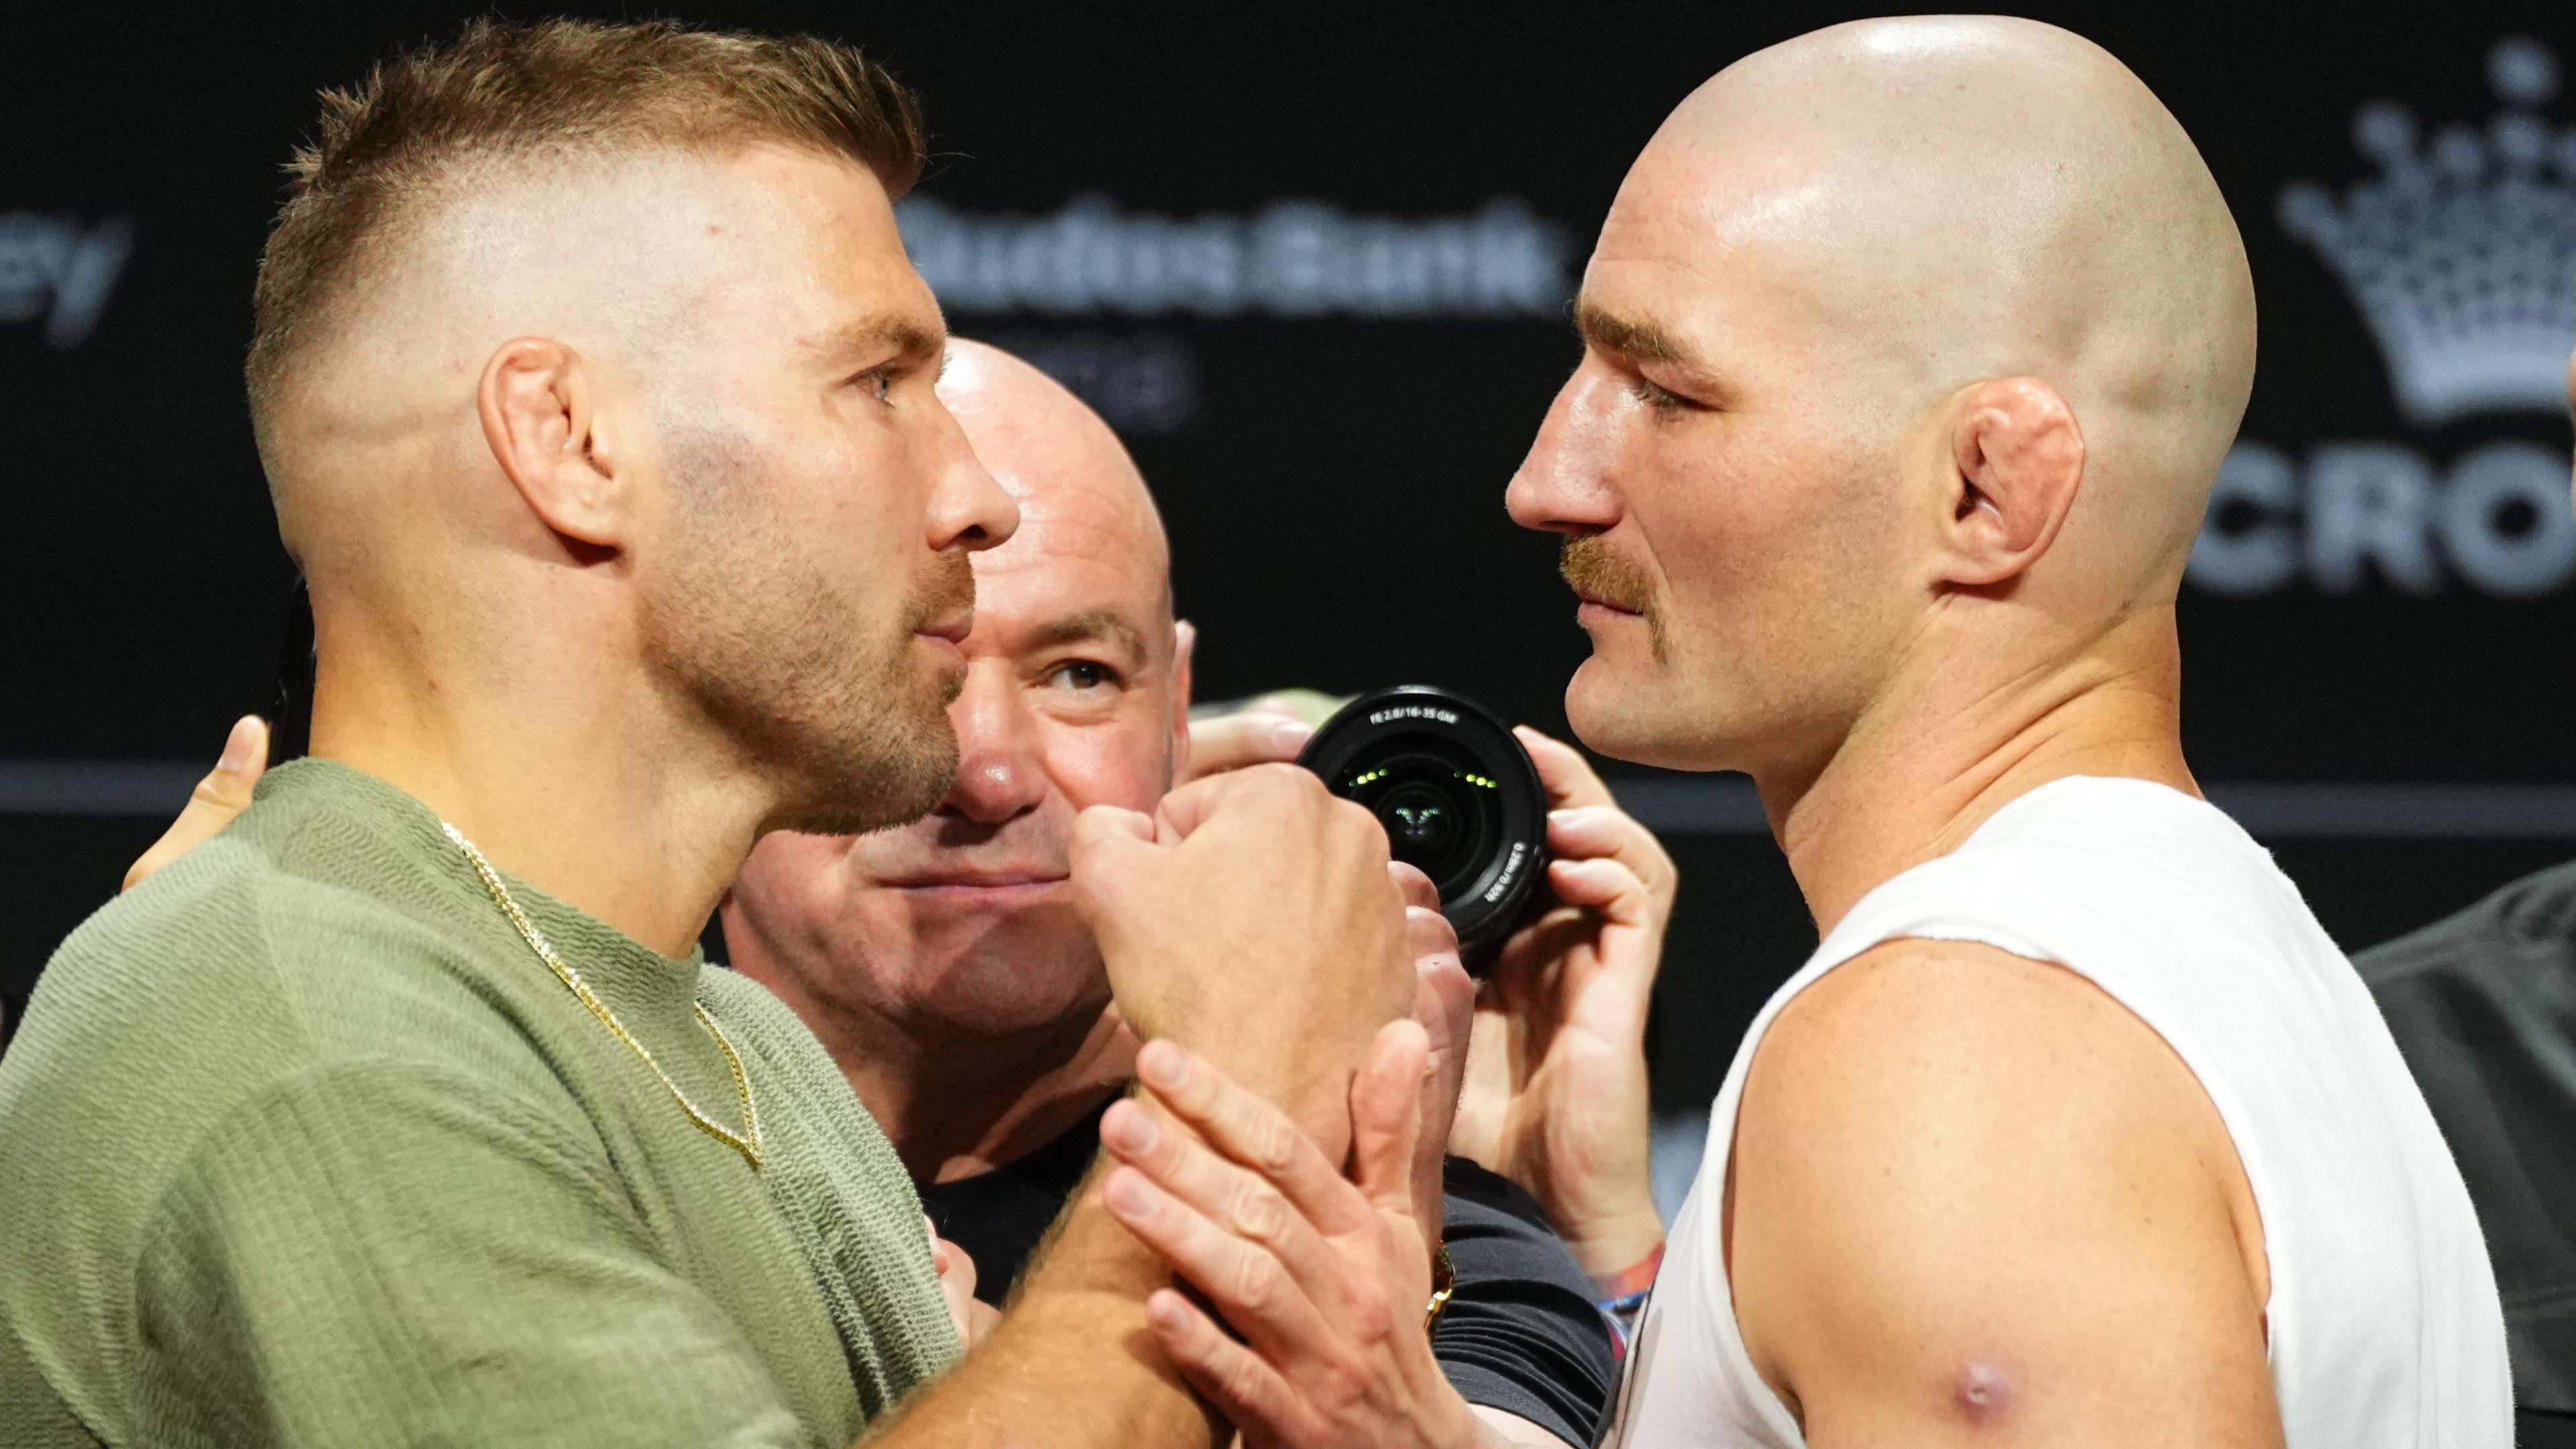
x,y
2461,252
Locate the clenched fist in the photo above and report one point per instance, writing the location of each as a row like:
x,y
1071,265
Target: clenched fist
x,y
1252,919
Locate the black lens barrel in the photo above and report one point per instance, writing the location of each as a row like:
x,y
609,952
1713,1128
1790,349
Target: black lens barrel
x,y
1459,799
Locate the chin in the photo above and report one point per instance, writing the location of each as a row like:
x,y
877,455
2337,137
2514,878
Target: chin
x,y
1639,720
892,778
1018,976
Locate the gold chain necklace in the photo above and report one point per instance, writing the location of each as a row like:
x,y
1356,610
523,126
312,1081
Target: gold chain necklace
x,y
747,1141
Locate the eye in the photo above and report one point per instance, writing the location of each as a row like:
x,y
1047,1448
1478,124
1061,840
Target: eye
x,y
1661,399
876,382
1082,675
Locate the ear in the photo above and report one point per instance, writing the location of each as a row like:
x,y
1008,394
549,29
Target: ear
x,y
540,413
2019,458
1185,641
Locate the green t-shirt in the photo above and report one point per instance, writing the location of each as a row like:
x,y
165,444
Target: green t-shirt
x,y
301,1144
2483,1003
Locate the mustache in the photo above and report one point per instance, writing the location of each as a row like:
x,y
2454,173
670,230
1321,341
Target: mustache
x,y
949,589
1590,566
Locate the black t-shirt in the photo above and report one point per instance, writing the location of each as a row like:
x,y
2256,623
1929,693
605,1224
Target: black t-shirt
x,y
1520,1333
2484,1006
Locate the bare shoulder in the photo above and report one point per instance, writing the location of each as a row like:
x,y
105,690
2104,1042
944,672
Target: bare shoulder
x,y
1952,1161
1959,1033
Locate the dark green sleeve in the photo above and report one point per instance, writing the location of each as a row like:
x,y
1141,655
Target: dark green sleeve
x,y
401,1255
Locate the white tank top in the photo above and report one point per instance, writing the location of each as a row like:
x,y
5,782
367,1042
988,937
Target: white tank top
x,y
2384,1324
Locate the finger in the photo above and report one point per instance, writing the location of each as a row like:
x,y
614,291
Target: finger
x,y
1444,1001
1097,825
1569,778
1606,886
221,796
1606,832
1104,839
1445,1004
1247,737
1386,1115
956,1267
1429,939
1103,852
1255,789
1413,885
1249,1393
1484,1092
1236,1200
1253,1133
1244,1279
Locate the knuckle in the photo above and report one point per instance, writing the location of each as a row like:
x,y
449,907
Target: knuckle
x,y
1371,1320
1345,1382
1239,1382
1273,1141
1259,1213
1257,1280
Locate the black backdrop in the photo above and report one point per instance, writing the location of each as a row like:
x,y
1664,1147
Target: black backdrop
x,y
1314,266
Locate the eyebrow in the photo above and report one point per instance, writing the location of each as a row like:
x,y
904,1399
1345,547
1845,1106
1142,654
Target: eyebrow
x,y
870,336
1633,338
1090,624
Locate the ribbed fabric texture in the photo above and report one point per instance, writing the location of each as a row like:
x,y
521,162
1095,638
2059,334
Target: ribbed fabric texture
x,y
301,1144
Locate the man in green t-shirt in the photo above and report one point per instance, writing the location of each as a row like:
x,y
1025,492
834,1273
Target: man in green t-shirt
x,y
594,391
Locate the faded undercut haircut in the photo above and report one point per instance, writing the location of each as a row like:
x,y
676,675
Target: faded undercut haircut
x,y
560,89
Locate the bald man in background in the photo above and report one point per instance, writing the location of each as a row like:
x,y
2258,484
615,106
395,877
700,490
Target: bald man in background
x,y
942,963
1911,348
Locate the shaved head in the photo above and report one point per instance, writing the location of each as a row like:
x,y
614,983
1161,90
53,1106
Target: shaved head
x,y
1889,322
1078,490
1969,197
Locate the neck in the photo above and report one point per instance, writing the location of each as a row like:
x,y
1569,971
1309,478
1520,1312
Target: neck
x,y
1911,782
562,764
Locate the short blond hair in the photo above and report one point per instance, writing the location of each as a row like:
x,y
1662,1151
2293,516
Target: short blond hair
x,y
565,88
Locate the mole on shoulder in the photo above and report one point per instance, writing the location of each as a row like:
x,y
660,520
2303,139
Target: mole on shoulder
x,y
1983,1393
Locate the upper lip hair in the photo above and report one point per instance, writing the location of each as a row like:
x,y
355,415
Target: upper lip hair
x,y
969,875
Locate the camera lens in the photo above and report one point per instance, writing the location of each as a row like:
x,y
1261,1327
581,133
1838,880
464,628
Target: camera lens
x,y
1422,825
1458,797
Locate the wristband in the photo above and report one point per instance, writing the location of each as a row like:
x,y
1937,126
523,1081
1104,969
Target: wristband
x,y
1623,1300
1633,1280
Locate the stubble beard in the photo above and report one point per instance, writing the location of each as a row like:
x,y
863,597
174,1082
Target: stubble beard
x,y
845,722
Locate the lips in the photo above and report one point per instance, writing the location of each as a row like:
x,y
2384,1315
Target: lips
x,y
978,880
954,628
1613,605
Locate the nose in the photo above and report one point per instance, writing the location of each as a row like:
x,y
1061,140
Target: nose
x,y
1000,772
968,509
1563,485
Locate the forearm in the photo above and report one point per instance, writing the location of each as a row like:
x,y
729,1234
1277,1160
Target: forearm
x,y
1615,1245
1072,1364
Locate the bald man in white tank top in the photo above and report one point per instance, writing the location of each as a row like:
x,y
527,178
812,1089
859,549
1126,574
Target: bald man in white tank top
x,y
1911,350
